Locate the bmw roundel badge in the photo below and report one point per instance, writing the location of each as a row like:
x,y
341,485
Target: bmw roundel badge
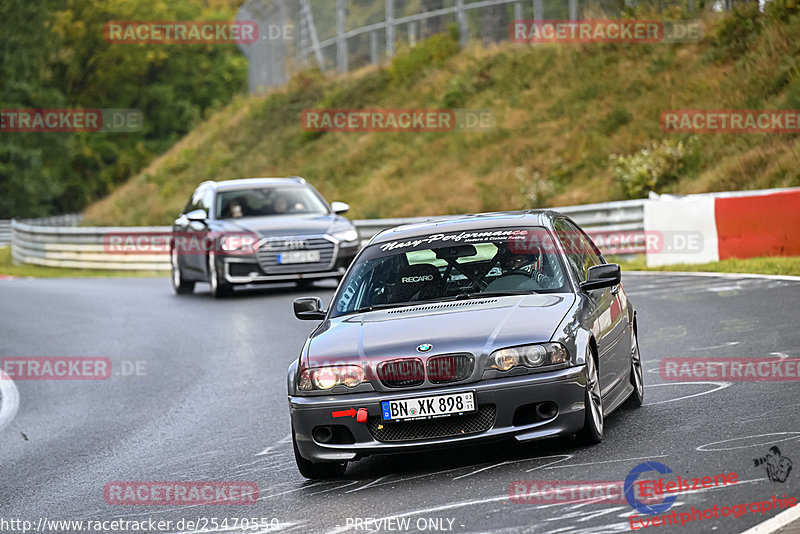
x,y
425,347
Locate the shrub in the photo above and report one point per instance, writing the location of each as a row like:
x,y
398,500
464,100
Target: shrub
x,y
651,169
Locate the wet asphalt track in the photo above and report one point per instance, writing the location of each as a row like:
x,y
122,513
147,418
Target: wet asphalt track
x,y
210,405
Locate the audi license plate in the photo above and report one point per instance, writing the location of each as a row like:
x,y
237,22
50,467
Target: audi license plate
x,y
429,407
303,256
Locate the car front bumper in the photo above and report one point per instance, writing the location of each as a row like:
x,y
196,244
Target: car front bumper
x,y
247,270
564,387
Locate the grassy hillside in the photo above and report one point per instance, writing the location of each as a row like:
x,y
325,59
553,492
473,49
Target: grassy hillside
x,y
575,124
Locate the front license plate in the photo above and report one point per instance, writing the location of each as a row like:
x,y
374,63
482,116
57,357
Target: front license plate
x,y
428,407
305,256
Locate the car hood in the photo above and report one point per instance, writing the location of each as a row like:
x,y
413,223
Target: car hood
x,y
290,225
476,326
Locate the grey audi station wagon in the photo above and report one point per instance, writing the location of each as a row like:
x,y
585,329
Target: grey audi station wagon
x,y
256,230
464,330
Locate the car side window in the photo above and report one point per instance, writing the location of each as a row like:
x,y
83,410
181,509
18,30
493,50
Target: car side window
x,y
581,253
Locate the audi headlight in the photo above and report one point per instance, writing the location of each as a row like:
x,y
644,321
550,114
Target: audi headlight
x,y
325,378
346,235
238,243
530,356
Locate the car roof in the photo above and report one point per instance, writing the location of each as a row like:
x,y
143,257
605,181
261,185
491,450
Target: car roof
x,y
252,182
468,223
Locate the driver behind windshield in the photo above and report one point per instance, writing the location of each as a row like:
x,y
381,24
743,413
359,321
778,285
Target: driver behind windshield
x,y
522,271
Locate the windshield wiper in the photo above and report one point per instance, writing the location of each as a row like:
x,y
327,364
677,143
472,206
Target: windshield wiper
x,y
488,294
383,306
461,296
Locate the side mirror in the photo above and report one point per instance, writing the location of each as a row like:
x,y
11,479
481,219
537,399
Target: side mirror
x,y
340,208
309,309
197,216
600,276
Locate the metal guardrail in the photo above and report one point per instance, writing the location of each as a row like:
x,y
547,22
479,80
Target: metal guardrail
x,y
5,233
90,248
71,219
623,217
81,248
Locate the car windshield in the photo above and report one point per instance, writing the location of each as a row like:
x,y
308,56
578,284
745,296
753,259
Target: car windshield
x,y
267,201
451,266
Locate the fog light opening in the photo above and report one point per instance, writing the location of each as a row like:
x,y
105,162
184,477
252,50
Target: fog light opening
x,y
546,410
322,434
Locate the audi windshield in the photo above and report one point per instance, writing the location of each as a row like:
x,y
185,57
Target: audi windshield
x,y
268,201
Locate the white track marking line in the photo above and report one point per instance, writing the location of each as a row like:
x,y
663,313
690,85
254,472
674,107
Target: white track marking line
x,y
431,474
606,462
712,347
9,400
365,486
586,516
482,469
285,439
264,497
794,436
780,355
775,523
332,489
720,386
564,458
706,274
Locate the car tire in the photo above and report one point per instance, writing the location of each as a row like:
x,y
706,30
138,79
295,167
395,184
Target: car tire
x,y
592,432
637,375
219,287
181,285
317,471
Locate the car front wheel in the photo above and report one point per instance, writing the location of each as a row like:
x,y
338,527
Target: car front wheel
x,y
317,471
592,432
219,287
179,283
637,377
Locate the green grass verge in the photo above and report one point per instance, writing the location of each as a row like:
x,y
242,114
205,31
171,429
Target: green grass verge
x,y
574,124
7,268
787,266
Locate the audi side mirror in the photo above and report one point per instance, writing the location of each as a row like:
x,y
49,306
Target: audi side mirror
x,y
197,216
309,309
340,208
600,276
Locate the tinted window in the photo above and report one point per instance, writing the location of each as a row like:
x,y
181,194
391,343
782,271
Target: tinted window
x,y
445,266
268,201
581,253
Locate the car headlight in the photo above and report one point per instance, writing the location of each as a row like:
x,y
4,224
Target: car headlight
x,y
531,356
324,378
238,243
346,235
